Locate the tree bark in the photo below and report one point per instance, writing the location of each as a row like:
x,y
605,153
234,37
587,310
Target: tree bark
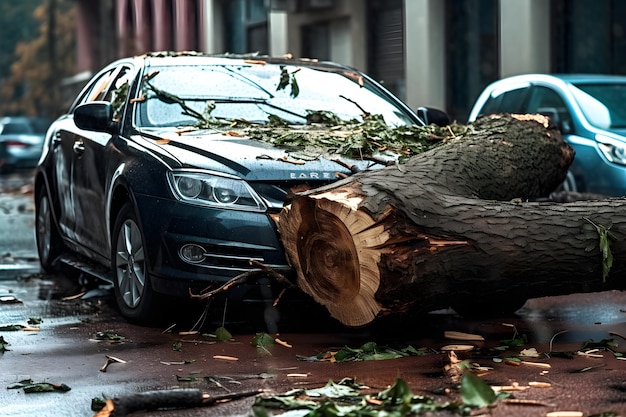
x,y
453,226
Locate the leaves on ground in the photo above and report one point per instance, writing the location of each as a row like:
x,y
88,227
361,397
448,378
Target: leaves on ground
x,y
346,398
370,351
110,337
30,387
12,328
262,341
222,334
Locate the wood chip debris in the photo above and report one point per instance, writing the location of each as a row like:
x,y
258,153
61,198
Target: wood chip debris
x,y
565,414
282,343
31,329
457,348
110,360
590,353
225,358
537,364
517,387
463,336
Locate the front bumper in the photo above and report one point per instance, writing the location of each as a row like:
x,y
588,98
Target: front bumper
x,y
229,239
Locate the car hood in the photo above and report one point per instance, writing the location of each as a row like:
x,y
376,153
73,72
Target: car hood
x,y
235,153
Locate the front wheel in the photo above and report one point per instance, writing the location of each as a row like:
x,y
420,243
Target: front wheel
x,y
133,292
49,243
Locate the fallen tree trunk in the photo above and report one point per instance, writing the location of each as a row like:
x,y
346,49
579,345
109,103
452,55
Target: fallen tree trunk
x,y
453,226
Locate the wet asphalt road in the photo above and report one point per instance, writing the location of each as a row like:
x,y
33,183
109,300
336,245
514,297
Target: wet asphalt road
x,y
69,345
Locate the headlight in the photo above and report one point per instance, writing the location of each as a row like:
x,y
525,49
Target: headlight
x,y
614,150
215,190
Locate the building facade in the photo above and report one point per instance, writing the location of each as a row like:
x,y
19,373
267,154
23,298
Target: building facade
x,y
438,53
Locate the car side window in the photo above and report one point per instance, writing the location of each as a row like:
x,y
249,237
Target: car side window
x,y
511,101
111,86
546,101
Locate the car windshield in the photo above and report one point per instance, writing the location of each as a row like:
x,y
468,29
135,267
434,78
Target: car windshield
x,y
187,95
602,104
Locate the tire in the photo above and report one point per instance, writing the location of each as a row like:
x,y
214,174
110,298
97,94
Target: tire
x,y
569,184
135,298
49,243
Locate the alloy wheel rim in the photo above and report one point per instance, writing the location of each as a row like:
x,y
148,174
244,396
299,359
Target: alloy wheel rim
x,y
130,264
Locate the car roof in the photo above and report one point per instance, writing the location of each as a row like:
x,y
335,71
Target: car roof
x,y
567,78
195,58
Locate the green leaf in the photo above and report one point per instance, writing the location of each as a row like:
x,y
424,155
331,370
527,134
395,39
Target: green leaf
x,y
605,247
45,387
283,81
222,334
475,392
3,345
98,403
262,340
11,328
399,392
295,89
178,346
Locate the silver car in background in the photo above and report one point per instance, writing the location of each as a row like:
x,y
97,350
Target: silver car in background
x,y
21,142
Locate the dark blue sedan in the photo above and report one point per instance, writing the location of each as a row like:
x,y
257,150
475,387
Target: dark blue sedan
x,y
153,175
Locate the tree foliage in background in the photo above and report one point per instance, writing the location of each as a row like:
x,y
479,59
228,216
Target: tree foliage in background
x,y
33,87
16,24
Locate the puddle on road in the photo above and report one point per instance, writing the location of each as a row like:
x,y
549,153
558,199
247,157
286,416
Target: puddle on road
x,y
572,318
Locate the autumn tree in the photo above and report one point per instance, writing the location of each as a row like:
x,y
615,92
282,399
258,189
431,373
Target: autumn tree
x,y
33,87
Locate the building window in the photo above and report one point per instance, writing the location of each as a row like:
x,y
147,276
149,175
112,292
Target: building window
x,y
588,39
386,58
246,28
472,59
316,41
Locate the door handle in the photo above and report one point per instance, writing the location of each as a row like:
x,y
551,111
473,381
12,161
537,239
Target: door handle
x,y
78,147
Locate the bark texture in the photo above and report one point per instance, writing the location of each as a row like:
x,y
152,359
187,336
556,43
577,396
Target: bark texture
x,y
453,226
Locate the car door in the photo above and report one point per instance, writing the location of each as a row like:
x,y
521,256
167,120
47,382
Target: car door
x,y
91,157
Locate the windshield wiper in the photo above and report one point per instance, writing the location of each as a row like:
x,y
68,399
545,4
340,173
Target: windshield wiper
x,y
253,100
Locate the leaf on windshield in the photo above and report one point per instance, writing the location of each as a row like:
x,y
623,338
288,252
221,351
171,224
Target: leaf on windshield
x,y
3,345
288,79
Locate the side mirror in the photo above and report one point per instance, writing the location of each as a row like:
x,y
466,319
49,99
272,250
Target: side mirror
x,y
96,116
430,115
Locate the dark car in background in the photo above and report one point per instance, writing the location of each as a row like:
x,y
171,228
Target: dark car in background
x,y
590,112
154,175
21,141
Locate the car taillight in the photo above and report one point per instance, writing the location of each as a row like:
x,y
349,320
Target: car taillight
x,y
17,144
